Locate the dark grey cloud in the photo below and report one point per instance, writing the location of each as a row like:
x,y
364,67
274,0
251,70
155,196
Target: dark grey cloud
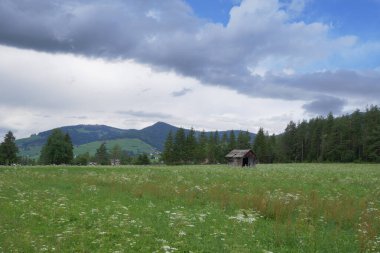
x,y
325,105
341,83
143,114
181,93
167,35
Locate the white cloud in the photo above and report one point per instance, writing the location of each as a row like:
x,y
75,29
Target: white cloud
x,y
129,56
57,90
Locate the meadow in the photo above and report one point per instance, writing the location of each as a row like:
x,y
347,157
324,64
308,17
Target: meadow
x,y
271,208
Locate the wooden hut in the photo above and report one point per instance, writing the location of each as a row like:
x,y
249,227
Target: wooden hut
x,y
241,158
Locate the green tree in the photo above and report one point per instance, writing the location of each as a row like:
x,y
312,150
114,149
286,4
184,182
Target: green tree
x,y
374,145
101,155
243,140
8,150
142,159
232,141
82,159
290,142
201,153
179,146
116,153
191,147
125,158
58,149
260,146
271,148
211,148
224,147
168,152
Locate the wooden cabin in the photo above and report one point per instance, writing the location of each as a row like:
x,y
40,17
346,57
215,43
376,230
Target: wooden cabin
x,y
241,158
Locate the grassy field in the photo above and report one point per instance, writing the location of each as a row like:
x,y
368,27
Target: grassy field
x,y
135,145
272,208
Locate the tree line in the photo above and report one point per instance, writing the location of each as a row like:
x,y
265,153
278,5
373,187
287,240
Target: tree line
x,y
353,137
190,148
349,138
58,149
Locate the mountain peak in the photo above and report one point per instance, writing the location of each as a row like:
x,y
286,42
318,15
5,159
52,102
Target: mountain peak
x,y
159,125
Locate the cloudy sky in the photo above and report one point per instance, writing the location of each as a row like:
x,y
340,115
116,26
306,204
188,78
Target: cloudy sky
x,y
218,64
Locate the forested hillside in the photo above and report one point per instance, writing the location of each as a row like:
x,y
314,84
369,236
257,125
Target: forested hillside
x,y
349,138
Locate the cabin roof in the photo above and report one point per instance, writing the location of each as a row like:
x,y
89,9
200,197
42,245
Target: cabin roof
x,y
238,153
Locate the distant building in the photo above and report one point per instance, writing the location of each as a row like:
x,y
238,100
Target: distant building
x,y
115,162
241,158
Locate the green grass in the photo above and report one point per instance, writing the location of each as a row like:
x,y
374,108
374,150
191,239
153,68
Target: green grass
x,y
276,208
135,145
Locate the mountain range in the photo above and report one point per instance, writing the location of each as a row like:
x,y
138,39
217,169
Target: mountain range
x,y
87,138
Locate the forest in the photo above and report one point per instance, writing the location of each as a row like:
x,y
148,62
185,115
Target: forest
x,y
353,137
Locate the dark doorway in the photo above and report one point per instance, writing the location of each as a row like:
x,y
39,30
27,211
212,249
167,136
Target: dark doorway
x,y
245,161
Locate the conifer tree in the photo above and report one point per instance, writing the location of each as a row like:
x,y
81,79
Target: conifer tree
x,y
374,145
168,153
202,148
232,141
190,147
101,155
8,150
260,146
179,146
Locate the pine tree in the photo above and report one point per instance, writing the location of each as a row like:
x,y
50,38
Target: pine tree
x,y
179,146
211,149
168,153
374,145
8,150
232,141
260,147
224,149
289,142
243,140
101,155
142,159
218,155
201,153
58,149
190,147
271,148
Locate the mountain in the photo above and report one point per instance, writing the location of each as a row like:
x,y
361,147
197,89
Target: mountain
x,y
88,138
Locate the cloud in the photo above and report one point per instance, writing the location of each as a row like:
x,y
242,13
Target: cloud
x,y
181,93
325,105
100,56
169,36
155,115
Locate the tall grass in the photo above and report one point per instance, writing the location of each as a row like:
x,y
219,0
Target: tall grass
x,y
276,208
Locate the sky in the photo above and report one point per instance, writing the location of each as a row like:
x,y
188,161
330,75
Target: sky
x,y
213,65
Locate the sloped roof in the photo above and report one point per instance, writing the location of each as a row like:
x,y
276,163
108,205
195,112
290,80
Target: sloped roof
x,y
238,153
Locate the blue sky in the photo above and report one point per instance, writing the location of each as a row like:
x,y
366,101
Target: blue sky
x,y
346,17
188,63
358,17
215,10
